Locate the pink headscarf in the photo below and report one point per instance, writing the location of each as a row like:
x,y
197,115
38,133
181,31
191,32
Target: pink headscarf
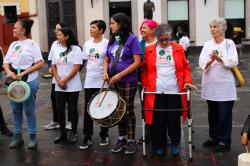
x,y
150,23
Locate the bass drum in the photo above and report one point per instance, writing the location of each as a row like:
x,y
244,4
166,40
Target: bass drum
x,y
110,111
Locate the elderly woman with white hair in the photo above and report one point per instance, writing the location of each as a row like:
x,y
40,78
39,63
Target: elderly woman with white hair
x,y
217,58
165,69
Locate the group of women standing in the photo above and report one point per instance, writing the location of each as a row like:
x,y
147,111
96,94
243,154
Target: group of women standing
x,y
118,61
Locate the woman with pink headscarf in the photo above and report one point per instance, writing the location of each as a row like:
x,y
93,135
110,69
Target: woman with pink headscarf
x,y
147,32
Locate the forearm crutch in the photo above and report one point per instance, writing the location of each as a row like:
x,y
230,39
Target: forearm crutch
x,y
143,124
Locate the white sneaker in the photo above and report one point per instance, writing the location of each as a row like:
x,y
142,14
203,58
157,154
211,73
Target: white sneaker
x,y
104,141
52,125
68,126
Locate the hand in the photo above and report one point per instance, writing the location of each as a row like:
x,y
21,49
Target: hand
x,y
62,84
244,141
105,77
12,75
215,56
21,75
115,79
50,70
189,85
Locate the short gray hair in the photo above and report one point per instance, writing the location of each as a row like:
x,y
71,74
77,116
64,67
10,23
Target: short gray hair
x,y
221,22
162,29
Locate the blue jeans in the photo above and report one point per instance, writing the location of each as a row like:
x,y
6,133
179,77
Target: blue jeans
x,y
29,108
220,121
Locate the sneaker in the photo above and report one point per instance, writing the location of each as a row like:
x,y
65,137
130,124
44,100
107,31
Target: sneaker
x,y
86,143
159,151
222,148
32,142
104,141
52,125
17,141
175,150
68,126
120,145
130,147
210,143
73,138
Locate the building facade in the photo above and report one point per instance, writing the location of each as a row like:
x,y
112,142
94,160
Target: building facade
x,y
191,16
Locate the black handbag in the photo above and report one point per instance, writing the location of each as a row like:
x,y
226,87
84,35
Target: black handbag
x,y
9,80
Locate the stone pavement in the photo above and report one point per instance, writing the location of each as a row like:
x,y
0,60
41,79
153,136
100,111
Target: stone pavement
x,y
49,154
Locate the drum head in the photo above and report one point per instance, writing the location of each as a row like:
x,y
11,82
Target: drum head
x,y
18,91
107,107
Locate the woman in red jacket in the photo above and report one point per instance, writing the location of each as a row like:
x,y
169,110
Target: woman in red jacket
x,y
165,69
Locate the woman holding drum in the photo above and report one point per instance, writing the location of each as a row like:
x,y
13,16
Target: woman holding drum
x,y
26,55
120,64
94,51
65,68
165,69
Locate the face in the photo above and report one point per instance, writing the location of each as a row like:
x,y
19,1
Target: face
x,y
164,40
215,30
95,31
114,26
58,28
61,37
146,31
18,30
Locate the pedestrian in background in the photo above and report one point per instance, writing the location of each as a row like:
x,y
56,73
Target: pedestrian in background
x,y
217,57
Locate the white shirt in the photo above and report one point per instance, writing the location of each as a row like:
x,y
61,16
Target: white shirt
x,y
95,54
65,65
166,80
24,53
184,42
52,53
218,82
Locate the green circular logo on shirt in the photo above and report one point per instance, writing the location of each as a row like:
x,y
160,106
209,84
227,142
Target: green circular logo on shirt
x,y
162,52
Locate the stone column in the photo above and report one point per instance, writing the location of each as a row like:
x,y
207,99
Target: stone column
x,y
80,21
134,16
192,20
247,18
164,11
221,8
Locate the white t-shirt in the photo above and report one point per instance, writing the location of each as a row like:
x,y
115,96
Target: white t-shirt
x,y
95,54
65,65
52,53
24,53
184,42
218,82
166,80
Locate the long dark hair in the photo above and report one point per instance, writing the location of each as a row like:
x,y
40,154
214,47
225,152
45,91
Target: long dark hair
x,y
71,40
124,31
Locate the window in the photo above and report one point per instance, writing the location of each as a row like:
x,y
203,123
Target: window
x,y
10,13
178,20
235,16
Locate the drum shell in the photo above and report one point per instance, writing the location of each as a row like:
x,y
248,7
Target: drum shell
x,y
24,97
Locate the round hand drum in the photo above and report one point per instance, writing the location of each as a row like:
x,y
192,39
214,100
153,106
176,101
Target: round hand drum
x,y
110,111
18,91
244,159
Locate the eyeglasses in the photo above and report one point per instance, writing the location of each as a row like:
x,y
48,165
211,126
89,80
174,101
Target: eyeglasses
x,y
163,40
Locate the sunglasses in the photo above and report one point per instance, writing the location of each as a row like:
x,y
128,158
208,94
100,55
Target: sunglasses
x,y
164,40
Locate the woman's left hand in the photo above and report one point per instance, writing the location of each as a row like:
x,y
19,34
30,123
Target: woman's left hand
x,y
62,84
189,85
115,79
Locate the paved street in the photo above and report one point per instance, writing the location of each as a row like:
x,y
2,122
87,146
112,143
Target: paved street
x,y
49,154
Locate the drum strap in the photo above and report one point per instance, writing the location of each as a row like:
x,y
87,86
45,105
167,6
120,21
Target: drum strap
x,y
117,57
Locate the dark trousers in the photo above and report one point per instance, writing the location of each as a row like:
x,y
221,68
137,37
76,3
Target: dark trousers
x,y
87,121
53,101
220,121
71,98
167,119
2,121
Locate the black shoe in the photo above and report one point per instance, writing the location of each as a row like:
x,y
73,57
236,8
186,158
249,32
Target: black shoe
x,y
120,145
210,143
60,138
7,132
222,148
72,138
86,143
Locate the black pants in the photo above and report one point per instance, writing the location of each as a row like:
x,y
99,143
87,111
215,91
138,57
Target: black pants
x,y
53,101
220,121
71,98
2,121
87,121
163,120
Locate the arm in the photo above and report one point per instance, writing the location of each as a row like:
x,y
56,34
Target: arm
x,y
231,58
33,68
205,59
105,68
128,70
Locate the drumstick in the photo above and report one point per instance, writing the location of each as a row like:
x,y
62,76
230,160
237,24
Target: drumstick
x,y
104,95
